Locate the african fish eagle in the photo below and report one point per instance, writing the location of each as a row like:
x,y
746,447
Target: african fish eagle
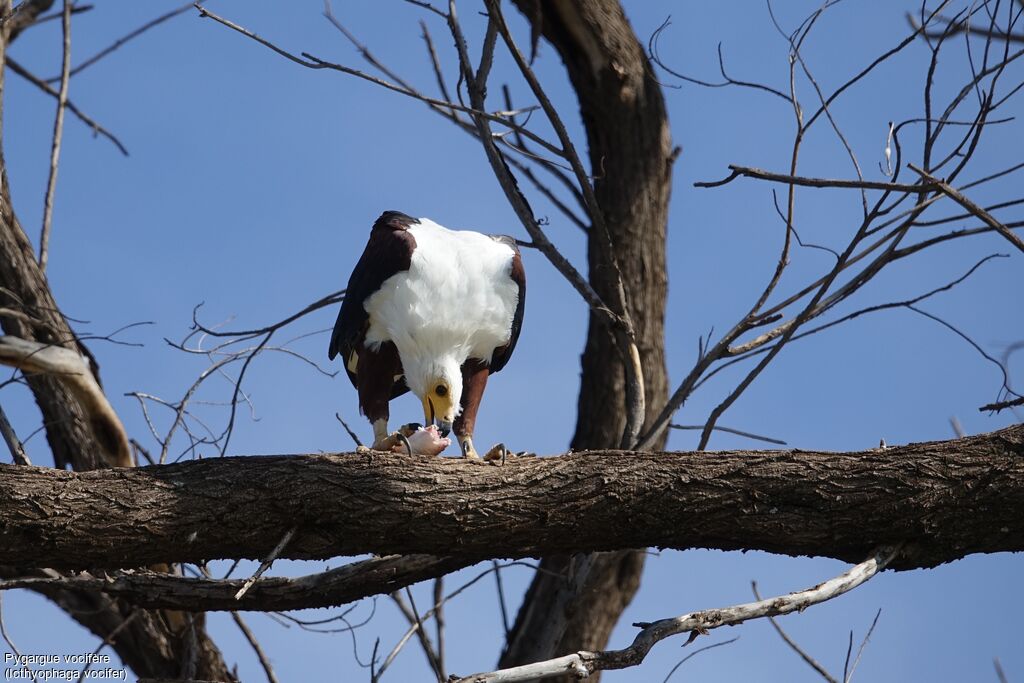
x,y
434,311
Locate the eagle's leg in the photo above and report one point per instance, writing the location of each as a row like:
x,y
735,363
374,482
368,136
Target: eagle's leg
x,y
375,373
382,439
474,381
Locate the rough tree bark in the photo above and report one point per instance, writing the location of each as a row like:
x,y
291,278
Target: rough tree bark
x,y
146,641
631,155
837,505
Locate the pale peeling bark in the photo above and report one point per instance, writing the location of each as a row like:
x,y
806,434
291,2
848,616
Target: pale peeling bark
x,y
630,151
74,373
586,664
837,505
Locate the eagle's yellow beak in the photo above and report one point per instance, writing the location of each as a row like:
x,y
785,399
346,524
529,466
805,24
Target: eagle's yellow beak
x,y
438,408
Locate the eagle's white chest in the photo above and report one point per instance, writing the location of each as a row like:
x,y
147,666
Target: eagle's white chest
x,y
457,298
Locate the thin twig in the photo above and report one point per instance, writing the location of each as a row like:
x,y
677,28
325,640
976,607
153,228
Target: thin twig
x,y
501,599
97,129
1000,674
695,653
108,641
759,174
729,430
433,610
1002,405
13,443
653,53
313,62
53,16
965,27
754,350
10,644
849,641
348,429
439,622
265,565
413,614
251,637
58,133
811,661
973,208
847,677
124,39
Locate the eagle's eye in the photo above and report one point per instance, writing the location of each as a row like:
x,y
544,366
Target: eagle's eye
x,y
441,390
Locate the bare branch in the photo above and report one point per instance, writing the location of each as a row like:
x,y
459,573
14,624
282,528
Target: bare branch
x,y
973,208
1000,674
412,615
622,325
312,62
251,637
655,56
584,663
500,588
265,565
19,658
13,443
697,652
1003,405
848,676
124,39
348,429
811,661
334,587
749,172
729,430
439,620
41,84
58,133
964,26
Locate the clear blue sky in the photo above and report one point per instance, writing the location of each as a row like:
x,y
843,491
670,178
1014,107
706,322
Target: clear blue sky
x,y
251,186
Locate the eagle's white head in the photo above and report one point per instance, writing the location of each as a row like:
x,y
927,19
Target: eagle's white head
x,y
437,381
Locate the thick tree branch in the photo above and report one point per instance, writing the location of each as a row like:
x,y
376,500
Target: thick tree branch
x,y
334,587
792,502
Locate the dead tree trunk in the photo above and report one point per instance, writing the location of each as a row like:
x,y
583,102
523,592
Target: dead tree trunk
x,y
152,643
631,156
